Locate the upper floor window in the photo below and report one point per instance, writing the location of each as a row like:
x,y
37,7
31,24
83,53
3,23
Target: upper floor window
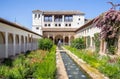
x,y
37,28
49,25
66,24
68,18
55,24
59,24
38,16
35,15
45,25
48,18
69,24
79,19
58,18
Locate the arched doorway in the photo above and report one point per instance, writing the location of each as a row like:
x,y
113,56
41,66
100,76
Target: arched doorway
x,y
26,42
22,44
10,45
57,38
66,40
2,45
51,38
17,44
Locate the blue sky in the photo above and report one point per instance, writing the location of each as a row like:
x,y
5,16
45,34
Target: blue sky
x,y
22,9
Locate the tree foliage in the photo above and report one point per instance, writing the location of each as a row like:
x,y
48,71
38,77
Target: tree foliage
x,y
78,43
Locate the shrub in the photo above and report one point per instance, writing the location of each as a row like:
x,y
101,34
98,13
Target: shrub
x,y
78,43
45,44
47,68
97,42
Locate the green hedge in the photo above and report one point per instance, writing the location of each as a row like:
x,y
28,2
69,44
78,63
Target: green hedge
x,y
45,44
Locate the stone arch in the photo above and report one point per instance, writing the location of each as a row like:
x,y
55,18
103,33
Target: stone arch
x,y
26,42
17,44
2,38
17,39
57,38
10,44
10,39
66,40
51,37
22,43
2,45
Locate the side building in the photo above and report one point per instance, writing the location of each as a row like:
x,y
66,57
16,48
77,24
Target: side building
x,y
57,25
15,39
87,31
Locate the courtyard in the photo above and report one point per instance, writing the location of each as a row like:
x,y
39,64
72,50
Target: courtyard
x,y
60,39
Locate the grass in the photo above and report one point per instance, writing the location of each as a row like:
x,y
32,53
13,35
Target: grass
x,y
108,66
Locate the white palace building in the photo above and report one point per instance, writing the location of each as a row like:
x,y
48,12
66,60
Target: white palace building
x,y
56,25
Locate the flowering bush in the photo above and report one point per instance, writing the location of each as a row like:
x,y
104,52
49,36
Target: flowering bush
x,y
109,23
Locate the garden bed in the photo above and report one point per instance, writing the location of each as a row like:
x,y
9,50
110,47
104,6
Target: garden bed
x,y
37,64
104,64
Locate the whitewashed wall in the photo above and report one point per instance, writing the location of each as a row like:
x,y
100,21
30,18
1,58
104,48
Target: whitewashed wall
x,y
10,47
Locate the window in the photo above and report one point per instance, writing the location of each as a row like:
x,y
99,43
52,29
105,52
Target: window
x,y
45,24
78,23
58,18
68,18
66,25
37,28
48,24
69,24
38,16
55,24
35,15
59,24
79,19
48,18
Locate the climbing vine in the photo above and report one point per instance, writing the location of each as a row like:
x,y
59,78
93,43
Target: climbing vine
x,y
97,42
88,41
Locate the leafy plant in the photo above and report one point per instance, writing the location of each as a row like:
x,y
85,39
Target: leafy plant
x,y
78,43
102,63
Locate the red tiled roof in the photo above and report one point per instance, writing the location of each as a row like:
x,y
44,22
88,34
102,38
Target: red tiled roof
x,y
16,26
85,25
60,12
